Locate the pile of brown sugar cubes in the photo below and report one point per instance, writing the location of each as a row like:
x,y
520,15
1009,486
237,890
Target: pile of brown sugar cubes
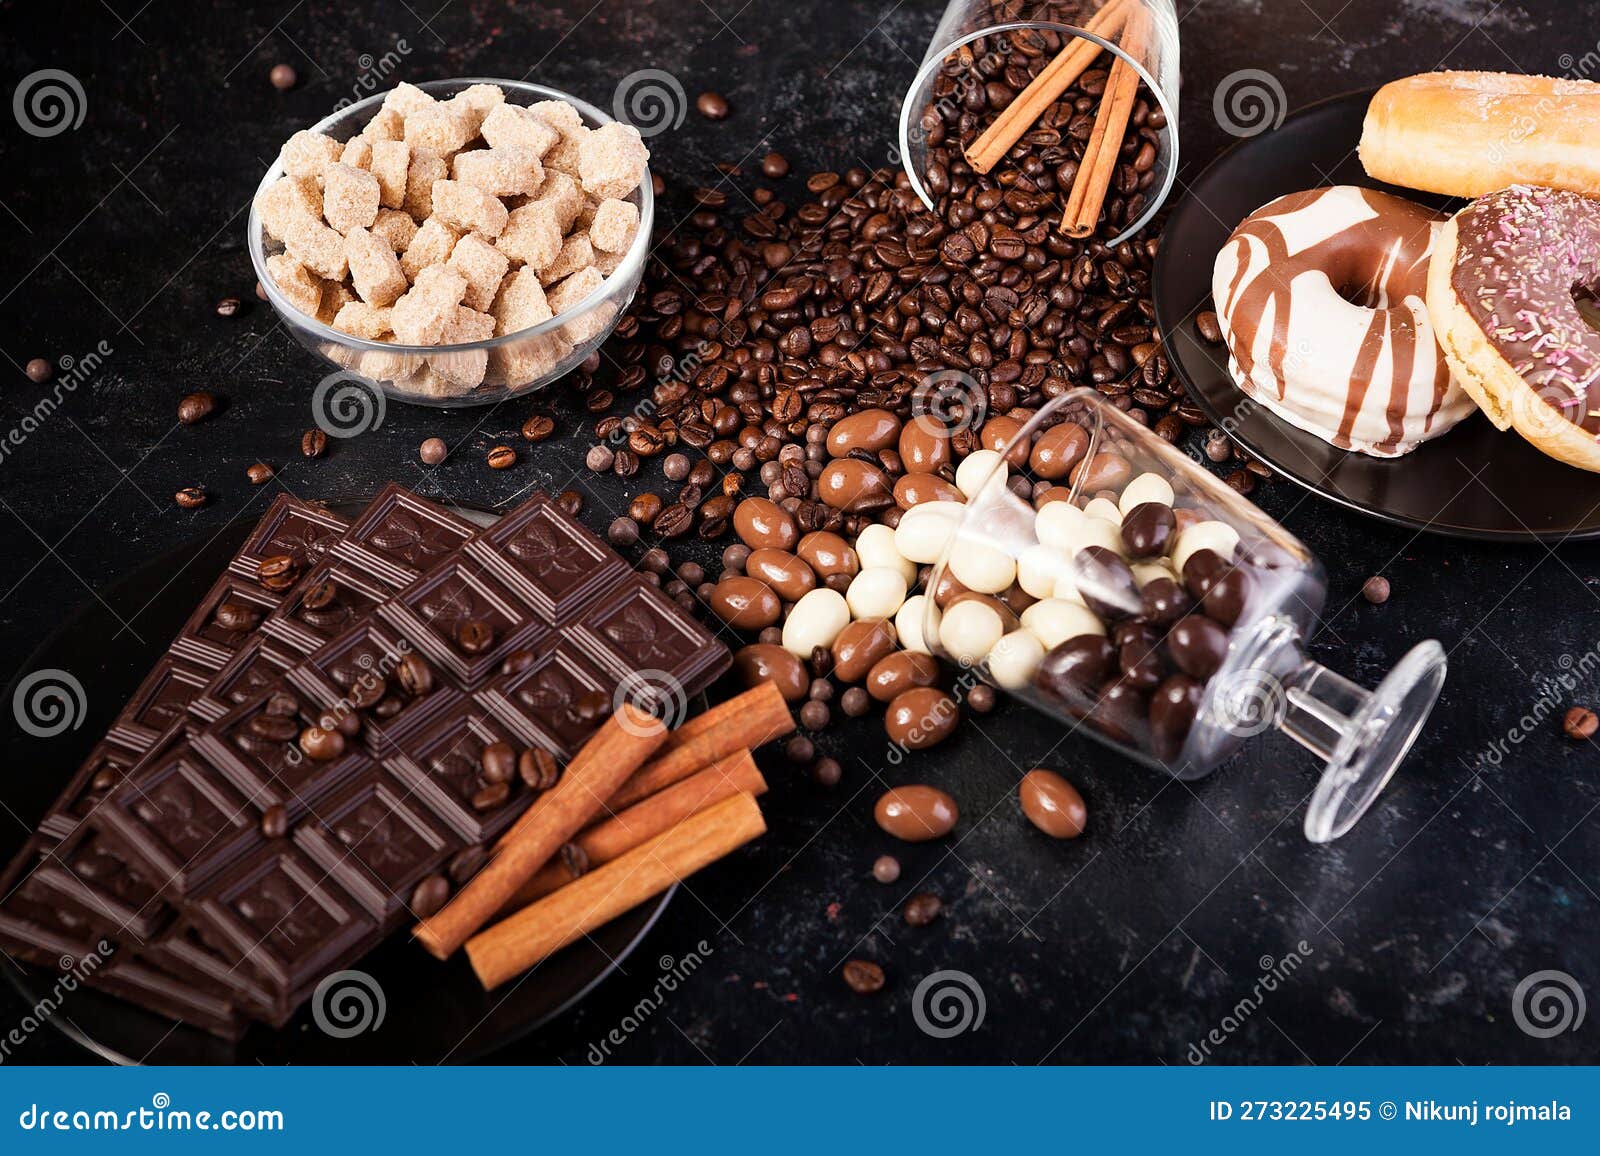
x,y
452,221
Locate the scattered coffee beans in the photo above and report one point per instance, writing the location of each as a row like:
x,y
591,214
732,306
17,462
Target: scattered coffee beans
x,y
863,976
259,474
313,443
712,105
922,909
190,497
196,407
538,427
228,307
1580,723
502,458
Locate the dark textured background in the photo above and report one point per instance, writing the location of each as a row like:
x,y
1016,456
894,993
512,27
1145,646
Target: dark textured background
x,y
1127,945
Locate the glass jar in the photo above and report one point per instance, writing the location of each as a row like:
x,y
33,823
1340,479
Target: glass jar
x,y
1130,594
982,41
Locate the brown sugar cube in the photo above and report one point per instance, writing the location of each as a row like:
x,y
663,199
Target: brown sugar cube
x,y
608,263
386,124
565,155
519,362
502,172
465,367
335,296
388,365
568,294
307,154
439,129
391,161
359,319
431,246
295,282
374,269
349,197
558,114
520,304
560,191
612,160
509,126
426,167
406,99
284,200
576,253
614,225
532,235
474,104
357,153
421,315
317,247
476,259
396,227
467,209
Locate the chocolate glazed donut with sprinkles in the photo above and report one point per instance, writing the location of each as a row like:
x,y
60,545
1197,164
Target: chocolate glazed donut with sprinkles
x,y
1503,292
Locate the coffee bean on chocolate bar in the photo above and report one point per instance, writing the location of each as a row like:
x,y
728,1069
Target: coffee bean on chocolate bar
x,y
388,707
1172,711
196,407
276,728
281,704
39,370
190,497
1206,324
538,427
237,616
712,105
430,896
1580,723
415,676
922,909
591,706
313,443
259,474
320,595
474,636
538,768
433,451
498,762
491,796
368,690
1148,530
464,863
1197,646
277,572
275,822
826,772
321,744
502,458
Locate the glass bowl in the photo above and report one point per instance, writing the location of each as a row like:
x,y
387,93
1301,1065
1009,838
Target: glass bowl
x,y
514,364
1107,580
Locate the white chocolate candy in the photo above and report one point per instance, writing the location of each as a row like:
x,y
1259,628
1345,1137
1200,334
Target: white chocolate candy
x,y
875,547
1067,590
1093,532
980,468
1055,620
1014,659
1039,569
1145,573
814,621
969,630
1146,488
908,624
926,530
876,592
1055,525
981,567
1104,508
1218,536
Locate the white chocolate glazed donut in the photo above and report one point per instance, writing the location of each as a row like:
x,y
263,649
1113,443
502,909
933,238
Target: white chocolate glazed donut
x,y
1367,377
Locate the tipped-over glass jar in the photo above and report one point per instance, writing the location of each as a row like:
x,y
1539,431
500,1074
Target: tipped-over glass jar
x,y
1132,595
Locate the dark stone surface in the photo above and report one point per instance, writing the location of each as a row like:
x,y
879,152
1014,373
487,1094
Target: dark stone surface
x,y
1131,944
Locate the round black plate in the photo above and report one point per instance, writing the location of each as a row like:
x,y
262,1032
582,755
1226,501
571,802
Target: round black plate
x,y
434,1013
1474,482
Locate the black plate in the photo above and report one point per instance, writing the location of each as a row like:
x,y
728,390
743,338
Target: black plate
x,y
1473,482
433,1013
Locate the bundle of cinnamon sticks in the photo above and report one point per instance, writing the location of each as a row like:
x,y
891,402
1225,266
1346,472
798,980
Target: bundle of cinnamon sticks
x,y
641,806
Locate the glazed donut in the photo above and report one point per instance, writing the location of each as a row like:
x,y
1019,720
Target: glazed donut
x,y
1320,299
1465,134
1500,294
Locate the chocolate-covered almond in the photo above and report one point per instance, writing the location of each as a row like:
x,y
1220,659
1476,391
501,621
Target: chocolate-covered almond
x,y
870,429
768,662
1200,570
854,486
859,648
1102,471
1225,600
828,554
915,489
784,572
1075,666
998,433
745,603
1141,663
924,444
761,522
1197,646
1149,530
1119,711
1106,584
1172,710
916,813
1164,601
901,671
921,717
1058,449
1052,804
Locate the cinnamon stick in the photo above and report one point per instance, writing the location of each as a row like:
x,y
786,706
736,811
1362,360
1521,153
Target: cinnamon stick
x,y
615,751
1044,90
1099,164
736,774
543,928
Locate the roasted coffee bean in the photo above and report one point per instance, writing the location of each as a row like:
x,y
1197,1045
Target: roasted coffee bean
x,y
429,896
276,728
313,443
497,762
1209,328
538,769
196,407
321,745
570,503
190,497
474,636
277,572
280,704
538,427
863,977
674,521
922,909
491,796
274,822
228,307
574,859
237,616
1580,723
320,594
502,458
259,474
712,105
